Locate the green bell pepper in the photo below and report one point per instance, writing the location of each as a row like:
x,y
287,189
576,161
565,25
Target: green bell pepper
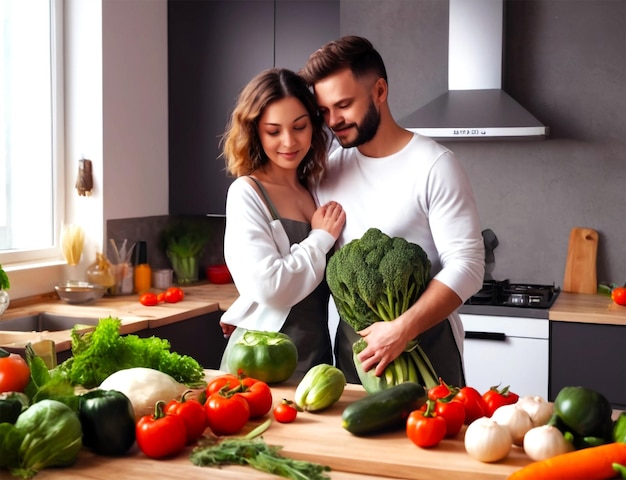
x,y
108,422
619,429
271,357
11,405
586,414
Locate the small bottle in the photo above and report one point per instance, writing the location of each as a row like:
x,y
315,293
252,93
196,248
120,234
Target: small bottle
x,y
143,272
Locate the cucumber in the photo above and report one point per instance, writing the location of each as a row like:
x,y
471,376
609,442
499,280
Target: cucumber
x,y
383,410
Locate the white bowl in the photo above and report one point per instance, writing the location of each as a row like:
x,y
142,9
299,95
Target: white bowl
x,y
79,292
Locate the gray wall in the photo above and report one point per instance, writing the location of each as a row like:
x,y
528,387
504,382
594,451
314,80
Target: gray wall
x,y
565,61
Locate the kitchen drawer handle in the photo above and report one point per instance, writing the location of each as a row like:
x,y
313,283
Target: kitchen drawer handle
x,y
500,337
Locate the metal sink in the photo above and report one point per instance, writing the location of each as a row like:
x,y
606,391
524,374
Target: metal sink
x,y
42,322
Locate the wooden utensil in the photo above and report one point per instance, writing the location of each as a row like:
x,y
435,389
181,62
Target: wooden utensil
x,y
580,267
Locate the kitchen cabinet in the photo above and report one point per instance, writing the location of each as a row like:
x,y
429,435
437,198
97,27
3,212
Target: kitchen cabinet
x,y
214,48
590,355
199,337
501,350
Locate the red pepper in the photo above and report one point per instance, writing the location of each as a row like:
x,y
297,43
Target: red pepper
x,y
495,398
192,413
443,390
161,435
258,395
227,411
425,428
473,402
453,412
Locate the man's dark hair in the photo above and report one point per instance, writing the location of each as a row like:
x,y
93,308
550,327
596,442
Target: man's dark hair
x,y
351,52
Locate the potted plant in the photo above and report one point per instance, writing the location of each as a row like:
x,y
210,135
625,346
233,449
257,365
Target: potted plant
x,y
184,242
4,286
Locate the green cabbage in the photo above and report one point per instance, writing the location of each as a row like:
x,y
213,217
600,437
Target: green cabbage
x,y
52,437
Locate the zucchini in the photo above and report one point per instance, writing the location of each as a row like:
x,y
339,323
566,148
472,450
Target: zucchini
x,y
383,410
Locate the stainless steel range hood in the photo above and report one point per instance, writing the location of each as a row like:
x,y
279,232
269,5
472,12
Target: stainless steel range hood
x,y
475,107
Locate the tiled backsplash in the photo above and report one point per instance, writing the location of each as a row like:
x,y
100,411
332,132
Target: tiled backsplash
x,y
149,229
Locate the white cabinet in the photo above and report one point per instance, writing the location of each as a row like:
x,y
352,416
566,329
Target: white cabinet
x,y
506,351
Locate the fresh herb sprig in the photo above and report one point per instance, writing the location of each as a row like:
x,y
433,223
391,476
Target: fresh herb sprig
x,y
258,455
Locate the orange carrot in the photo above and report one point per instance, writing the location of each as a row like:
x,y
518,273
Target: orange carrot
x,y
594,463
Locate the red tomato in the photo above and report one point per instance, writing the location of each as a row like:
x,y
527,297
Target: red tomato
x,y
216,384
618,294
424,428
285,411
443,390
453,413
161,297
174,295
258,395
473,402
495,398
149,299
161,435
226,414
193,414
14,372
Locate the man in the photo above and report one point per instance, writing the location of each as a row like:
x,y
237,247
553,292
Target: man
x,y
406,185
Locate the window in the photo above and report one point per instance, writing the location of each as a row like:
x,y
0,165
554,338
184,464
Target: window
x,y
31,114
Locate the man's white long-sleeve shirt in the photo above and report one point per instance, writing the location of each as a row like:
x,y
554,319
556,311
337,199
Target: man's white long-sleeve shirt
x,y
421,193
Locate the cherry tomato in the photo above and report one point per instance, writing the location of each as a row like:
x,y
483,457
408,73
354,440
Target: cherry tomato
x,y
425,428
443,390
173,295
160,435
473,402
14,372
495,398
193,414
453,412
618,294
226,413
149,299
258,395
286,411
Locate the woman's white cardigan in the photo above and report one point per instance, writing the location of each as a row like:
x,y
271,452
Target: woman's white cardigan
x,y
270,274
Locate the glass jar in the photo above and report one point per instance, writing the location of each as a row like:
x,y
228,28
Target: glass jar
x,y
100,273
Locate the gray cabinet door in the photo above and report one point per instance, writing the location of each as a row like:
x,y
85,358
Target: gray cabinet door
x,y
214,48
589,355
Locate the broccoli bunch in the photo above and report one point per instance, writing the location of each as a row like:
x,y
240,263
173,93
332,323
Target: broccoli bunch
x,y
376,277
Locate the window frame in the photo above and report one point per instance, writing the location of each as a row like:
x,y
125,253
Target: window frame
x,y
51,254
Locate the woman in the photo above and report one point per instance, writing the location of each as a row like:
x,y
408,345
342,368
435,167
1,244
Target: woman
x,y
276,241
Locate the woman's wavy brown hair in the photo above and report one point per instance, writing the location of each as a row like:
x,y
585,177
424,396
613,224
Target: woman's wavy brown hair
x,y
242,147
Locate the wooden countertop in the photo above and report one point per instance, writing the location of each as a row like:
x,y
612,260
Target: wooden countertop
x,y
199,299
316,437
587,308
206,298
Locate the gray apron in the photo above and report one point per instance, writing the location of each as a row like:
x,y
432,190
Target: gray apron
x,y
438,343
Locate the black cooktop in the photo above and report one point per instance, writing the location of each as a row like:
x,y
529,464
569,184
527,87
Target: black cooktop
x,y
507,294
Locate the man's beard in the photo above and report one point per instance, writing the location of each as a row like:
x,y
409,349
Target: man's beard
x,y
366,129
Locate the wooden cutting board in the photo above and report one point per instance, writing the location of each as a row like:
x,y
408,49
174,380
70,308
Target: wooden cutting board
x,y
580,266
316,437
